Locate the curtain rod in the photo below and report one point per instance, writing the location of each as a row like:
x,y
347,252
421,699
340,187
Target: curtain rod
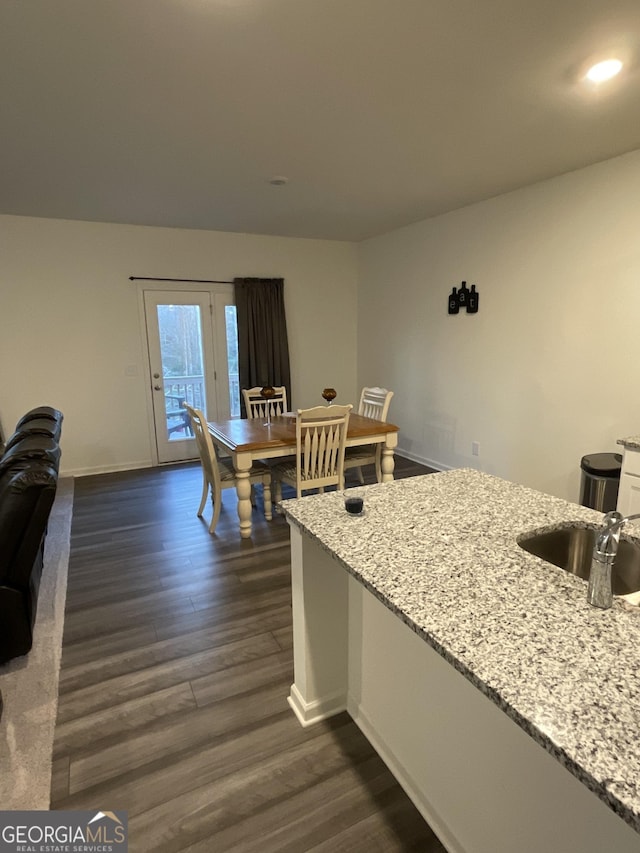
x,y
185,280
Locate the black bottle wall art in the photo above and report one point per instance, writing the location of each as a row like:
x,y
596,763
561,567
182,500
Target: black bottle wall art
x,y
463,299
472,301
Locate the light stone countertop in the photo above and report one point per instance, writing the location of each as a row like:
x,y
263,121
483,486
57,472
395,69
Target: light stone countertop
x,y
632,442
441,551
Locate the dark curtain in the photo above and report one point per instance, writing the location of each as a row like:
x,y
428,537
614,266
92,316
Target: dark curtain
x,y
263,348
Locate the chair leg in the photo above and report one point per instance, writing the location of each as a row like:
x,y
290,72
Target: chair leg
x,y
205,492
379,463
217,506
253,495
361,475
266,491
277,494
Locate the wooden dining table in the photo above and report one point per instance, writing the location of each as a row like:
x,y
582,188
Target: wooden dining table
x,y
248,439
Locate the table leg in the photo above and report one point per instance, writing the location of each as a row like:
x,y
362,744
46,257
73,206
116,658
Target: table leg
x,y
387,462
242,463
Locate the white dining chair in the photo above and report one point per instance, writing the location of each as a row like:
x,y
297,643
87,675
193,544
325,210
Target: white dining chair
x,y
321,433
218,474
256,405
374,403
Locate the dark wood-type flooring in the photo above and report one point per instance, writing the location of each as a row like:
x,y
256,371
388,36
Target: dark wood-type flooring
x,y
176,665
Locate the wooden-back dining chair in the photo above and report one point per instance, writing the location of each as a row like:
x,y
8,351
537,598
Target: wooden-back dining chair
x,y
374,403
256,405
218,474
321,433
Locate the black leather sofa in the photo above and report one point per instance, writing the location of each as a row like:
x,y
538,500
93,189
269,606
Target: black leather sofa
x,y
29,469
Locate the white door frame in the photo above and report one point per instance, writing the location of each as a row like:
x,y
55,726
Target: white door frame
x,y
221,295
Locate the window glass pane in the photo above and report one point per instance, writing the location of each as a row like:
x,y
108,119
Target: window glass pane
x,y
181,350
232,359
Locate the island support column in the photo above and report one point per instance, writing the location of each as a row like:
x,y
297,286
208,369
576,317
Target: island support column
x,y
319,588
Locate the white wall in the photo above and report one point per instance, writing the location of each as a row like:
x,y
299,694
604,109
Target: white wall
x,y
547,371
69,323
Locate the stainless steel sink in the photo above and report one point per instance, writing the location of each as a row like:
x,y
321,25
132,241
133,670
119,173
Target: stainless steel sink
x,y
571,549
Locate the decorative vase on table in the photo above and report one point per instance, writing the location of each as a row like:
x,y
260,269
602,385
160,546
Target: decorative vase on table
x,y
329,394
267,392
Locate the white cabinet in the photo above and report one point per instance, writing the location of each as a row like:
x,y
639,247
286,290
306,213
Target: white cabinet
x,y
629,493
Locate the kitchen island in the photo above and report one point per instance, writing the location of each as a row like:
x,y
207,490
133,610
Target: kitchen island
x,y
505,705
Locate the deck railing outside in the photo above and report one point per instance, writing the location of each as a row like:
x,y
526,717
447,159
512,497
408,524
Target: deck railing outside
x,y
190,389
177,391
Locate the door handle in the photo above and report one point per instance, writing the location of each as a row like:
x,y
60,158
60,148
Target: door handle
x,y
157,387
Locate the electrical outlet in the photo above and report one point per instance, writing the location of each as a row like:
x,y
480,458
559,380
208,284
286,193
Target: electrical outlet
x,y
475,448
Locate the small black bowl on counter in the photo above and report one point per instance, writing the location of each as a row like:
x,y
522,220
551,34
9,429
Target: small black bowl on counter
x,y
354,504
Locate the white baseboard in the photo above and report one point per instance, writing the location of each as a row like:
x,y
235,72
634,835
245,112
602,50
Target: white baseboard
x,y
309,713
104,469
421,460
406,782
133,466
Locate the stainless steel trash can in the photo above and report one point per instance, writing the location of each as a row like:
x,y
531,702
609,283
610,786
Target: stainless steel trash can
x,y
600,480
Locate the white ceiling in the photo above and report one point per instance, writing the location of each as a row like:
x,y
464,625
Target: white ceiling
x,y
380,112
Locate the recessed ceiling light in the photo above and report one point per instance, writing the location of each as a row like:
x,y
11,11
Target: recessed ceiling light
x,y
604,70
278,181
